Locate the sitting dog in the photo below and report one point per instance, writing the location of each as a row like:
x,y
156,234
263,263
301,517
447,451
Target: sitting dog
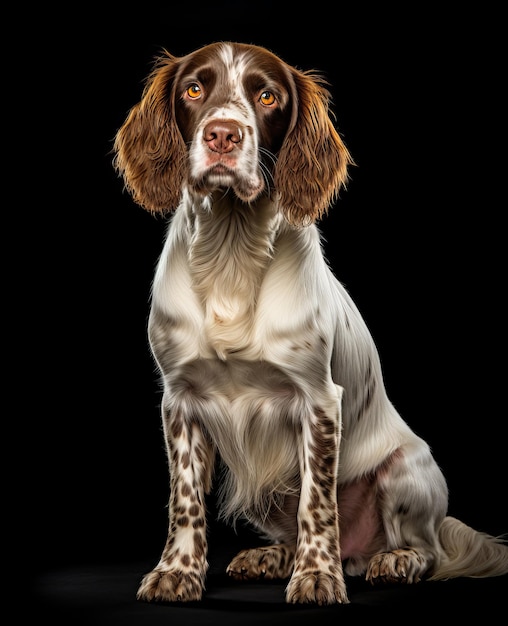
x,y
265,360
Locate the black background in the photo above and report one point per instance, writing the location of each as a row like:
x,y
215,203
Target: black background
x,y
418,239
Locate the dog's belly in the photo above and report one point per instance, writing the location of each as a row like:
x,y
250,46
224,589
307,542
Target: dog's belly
x,y
360,522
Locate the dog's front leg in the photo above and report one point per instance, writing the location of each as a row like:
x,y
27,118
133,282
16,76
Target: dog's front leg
x,y
180,573
317,575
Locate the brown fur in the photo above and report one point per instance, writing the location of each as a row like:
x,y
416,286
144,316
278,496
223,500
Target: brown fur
x,y
266,362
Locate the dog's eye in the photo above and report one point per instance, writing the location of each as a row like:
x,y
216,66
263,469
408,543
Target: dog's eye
x,y
267,98
193,91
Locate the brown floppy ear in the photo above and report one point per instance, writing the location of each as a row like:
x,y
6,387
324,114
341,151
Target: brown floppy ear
x,y
149,149
313,161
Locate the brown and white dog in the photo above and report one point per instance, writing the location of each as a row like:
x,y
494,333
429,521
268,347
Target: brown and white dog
x,y
265,360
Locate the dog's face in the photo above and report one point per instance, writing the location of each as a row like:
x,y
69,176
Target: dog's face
x,y
232,116
233,108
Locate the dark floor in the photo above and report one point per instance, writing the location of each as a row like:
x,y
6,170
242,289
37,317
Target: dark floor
x,y
105,595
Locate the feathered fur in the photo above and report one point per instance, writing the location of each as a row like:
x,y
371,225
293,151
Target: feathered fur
x,y
264,358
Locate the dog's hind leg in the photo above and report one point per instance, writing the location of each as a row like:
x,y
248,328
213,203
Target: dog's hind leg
x,y
268,562
413,499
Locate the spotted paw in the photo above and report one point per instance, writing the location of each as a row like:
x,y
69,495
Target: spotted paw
x,y
316,587
170,586
265,562
399,566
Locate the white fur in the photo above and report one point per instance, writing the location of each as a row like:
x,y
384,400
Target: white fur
x,y
266,361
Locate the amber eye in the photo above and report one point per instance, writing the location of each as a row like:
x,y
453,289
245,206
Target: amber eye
x,y
193,91
267,98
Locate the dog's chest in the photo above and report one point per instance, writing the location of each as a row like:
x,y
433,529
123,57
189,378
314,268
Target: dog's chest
x,y
228,258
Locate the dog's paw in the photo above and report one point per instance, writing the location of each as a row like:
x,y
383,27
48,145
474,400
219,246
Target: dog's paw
x,y
266,562
170,586
399,566
316,587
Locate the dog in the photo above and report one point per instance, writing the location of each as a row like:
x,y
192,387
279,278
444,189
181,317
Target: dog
x,y
265,362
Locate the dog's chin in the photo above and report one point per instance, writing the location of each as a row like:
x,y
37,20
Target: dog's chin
x,y
246,189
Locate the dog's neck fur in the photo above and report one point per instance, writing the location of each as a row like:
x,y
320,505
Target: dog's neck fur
x,y
230,247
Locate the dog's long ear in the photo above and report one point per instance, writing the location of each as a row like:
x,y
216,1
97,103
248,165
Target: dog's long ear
x,y
312,165
149,150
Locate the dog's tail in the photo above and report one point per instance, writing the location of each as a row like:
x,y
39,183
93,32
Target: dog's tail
x,y
470,553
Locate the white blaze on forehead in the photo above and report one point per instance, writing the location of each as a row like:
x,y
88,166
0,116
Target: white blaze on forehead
x,y
235,70
235,65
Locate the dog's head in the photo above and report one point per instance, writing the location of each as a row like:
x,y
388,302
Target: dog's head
x,y
233,116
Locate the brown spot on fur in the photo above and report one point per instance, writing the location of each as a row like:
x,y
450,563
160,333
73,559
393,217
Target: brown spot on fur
x,y
200,454
308,563
319,527
315,500
199,547
194,510
177,428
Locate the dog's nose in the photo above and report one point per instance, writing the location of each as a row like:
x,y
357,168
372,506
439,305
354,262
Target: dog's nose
x,y
222,135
